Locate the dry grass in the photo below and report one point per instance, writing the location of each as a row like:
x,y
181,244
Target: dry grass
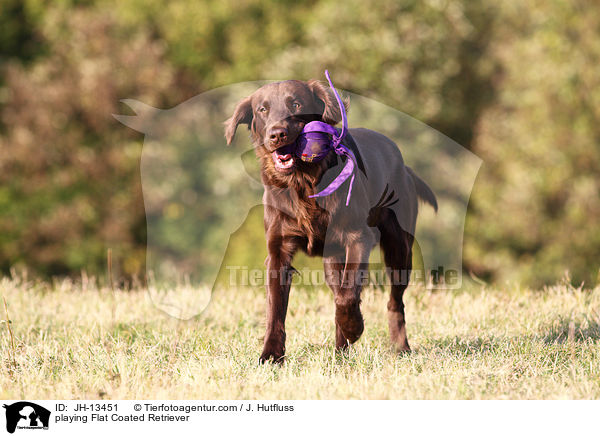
x,y
478,344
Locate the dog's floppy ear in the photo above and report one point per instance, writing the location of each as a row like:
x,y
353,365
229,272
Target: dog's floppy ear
x,y
325,98
241,115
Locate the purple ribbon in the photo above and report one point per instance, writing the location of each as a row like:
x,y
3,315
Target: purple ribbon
x,y
314,145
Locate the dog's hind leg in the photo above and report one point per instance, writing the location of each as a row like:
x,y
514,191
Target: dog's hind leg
x,y
397,250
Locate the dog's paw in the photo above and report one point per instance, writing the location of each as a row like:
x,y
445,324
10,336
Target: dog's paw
x,y
272,357
402,349
350,322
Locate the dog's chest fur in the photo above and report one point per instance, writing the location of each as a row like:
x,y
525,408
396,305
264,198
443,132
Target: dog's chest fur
x,y
298,218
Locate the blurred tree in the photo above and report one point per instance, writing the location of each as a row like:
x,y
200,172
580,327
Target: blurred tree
x,y
220,41
537,200
18,30
69,179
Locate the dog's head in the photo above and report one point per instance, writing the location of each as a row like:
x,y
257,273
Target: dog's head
x,y
276,114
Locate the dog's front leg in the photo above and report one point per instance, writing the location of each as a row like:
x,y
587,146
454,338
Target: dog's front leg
x,y
346,279
279,280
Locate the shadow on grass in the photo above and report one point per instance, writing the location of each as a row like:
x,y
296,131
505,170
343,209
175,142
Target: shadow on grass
x,y
344,358
567,330
462,346
559,332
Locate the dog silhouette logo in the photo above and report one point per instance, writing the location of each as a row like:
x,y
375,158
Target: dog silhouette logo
x,y
26,415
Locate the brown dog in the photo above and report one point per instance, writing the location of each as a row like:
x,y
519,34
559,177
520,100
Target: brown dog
x,y
383,208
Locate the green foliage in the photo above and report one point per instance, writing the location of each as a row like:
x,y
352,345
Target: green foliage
x,y
220,42
69,184
19,21
536,204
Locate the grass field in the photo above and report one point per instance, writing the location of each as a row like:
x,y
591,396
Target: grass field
x,y
477,344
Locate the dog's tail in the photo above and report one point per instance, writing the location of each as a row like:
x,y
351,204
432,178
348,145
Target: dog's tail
x,y
424,192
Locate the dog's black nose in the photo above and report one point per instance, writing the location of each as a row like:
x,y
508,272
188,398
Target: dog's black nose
x,y
278,136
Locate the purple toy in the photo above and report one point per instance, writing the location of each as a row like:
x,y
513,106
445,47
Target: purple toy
x,y
318,139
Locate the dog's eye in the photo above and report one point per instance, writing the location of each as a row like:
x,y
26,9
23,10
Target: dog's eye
x,y
296,105
262,109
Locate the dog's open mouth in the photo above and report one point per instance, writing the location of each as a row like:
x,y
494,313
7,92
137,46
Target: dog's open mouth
x,y
283,158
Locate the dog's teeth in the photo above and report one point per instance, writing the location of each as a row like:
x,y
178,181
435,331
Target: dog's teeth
x,y
283,162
